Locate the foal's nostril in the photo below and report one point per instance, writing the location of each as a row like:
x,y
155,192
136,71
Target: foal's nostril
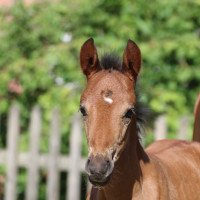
x,y
90,167
107,165
87,166
88,161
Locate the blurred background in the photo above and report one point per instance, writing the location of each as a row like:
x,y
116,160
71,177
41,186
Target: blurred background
x,y
41,82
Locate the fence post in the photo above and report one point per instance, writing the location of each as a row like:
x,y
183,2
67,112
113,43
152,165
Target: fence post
x,y
35,128
12,148
73,182
53,172
160,128
183,128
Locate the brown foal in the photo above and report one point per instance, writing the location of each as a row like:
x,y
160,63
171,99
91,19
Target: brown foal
x,y
118,167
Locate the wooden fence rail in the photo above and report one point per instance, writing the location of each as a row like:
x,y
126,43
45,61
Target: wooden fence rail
x,y
33,160
53,161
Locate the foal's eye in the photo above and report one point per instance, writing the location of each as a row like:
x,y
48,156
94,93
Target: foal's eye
x,y
129,113
83,111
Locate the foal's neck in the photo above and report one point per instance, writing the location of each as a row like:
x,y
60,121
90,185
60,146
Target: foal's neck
x,y
127,174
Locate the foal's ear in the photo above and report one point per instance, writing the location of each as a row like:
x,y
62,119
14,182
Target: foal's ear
x,y
88,58
132,59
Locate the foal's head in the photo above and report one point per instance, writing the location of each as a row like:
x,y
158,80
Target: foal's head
x,y
107,105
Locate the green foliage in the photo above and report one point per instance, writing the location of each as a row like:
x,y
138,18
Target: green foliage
x,y
21,183
33,54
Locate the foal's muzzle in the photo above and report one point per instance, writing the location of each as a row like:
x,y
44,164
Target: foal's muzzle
x,y
99,169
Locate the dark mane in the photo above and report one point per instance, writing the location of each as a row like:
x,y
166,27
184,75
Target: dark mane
x,y
111,61
142,113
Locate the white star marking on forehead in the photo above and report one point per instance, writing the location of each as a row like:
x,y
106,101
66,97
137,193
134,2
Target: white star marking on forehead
x,y
108,100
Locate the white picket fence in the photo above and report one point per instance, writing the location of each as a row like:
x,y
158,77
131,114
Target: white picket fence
x,y
54,162
33,160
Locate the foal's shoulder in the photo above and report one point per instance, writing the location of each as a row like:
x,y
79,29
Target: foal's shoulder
x,y
173,146
175,154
